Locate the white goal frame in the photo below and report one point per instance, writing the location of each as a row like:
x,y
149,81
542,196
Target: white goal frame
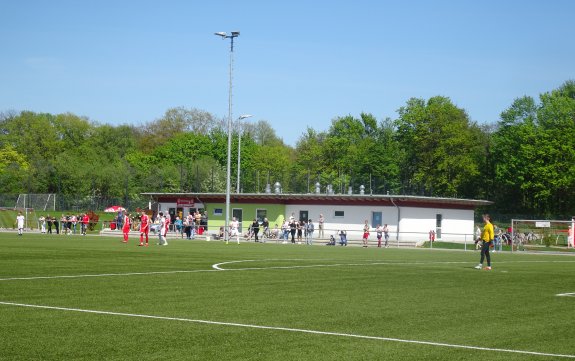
x,y
41,201
520,238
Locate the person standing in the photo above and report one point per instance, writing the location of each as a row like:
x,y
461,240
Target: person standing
x,y
309,235
119,219
126,226
300,227
192,225
42,221
234,232
56,224
386,235
84,226
20,223
497,239
256,229
63,224
487,238
320,222
144,228
365,233
292,229
163,229
49,221
343,237
168,221
379,234
266,229
179,226
285,231
74,220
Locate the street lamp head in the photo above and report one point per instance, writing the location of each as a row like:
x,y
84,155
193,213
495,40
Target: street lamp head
x,y
235,33
222,34
244,116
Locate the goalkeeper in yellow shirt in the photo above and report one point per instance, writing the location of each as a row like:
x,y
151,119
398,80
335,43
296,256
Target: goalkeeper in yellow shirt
x,y
487,237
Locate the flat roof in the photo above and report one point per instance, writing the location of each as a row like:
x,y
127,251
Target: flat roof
x,y
326,199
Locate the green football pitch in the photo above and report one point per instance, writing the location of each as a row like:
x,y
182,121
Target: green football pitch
x,y
95,298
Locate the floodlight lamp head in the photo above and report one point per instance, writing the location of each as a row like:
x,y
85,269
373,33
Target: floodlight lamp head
x,y
222,34
235,33
244,116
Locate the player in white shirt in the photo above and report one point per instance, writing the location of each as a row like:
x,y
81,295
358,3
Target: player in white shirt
x,y
163,229
20,223
234,232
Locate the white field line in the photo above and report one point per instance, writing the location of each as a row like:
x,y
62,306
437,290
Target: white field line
x,y
105,275
217,267
572,294
288,329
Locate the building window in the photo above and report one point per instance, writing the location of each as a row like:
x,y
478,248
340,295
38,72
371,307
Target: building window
x,y
261,214
376,219
339,214
217,211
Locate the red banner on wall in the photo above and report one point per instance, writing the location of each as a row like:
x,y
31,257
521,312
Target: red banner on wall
x,y
185,202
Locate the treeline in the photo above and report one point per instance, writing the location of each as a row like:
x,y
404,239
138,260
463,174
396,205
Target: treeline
x,y
525,162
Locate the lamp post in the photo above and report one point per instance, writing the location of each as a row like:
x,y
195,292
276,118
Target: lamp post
x,y
224,36
240,146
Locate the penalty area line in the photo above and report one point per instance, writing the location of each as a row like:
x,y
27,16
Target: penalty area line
x,y
288,329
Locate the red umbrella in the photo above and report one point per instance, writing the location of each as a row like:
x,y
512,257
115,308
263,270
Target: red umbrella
x,y
114,209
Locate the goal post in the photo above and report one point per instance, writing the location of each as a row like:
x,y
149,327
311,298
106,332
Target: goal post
x,y
542,235
41,201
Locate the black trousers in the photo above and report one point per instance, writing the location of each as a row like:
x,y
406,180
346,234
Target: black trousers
x,y
485,253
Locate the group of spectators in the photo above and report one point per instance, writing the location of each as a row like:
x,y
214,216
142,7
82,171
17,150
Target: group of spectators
x,y
67,224
192,224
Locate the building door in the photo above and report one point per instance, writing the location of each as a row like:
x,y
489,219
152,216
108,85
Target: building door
x,y
376,219
438,221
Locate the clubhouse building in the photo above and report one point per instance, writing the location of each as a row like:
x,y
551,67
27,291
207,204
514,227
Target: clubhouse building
x,y
409,218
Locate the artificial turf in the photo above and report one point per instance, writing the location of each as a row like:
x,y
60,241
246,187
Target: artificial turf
x,y
277,302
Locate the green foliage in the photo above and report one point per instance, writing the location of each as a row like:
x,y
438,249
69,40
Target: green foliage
x,y
525,162
441,148
534,156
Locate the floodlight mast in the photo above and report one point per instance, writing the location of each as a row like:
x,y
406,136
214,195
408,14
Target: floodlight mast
x,y
244,116
233,35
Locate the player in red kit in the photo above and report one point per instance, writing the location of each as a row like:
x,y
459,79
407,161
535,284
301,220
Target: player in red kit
x,y
126,227
144,228
85,221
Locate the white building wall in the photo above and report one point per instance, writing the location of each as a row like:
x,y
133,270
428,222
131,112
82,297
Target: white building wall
x,y
415,223
456,225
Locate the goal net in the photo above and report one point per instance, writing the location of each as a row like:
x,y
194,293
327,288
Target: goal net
x,y
40,202
542,235
8,218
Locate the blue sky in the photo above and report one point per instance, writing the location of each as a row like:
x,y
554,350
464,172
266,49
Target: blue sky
x,y
296,63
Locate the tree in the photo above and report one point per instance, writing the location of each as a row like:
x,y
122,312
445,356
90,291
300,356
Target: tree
x,y
534,148
262,133
440,144
14,169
